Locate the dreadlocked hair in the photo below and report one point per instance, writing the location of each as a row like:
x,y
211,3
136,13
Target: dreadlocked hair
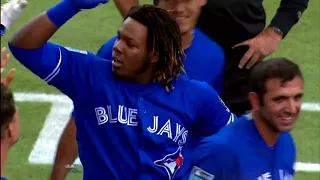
x,y
164,42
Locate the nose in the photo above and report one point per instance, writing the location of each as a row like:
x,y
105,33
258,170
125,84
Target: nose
x,y
117,46
293,106
176,7
179,8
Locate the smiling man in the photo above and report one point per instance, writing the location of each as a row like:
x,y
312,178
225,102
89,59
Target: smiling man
x,y
260,147
10,121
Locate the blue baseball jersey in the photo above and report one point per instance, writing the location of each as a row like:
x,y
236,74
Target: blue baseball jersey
x,y
127,130
239,152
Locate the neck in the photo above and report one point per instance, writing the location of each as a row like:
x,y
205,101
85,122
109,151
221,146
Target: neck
x,y
186,39
145,77
4,151
268,133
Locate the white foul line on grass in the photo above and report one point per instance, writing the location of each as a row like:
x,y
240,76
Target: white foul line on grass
x,y
46,144
43,97
311,106
307,167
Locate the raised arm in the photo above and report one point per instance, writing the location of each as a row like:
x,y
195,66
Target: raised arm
x,y
64,68
288,14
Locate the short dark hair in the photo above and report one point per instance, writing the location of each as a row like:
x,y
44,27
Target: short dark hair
x,y
7,108
277,68
164,40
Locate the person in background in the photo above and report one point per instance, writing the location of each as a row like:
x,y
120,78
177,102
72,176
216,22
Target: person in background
x,y
240,28
202,54
260,147
10,123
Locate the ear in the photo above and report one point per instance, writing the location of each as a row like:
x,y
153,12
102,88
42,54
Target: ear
x,y
254,100
11,129
202,2
154,57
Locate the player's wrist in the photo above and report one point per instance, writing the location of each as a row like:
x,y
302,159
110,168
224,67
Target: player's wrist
x,y
62,12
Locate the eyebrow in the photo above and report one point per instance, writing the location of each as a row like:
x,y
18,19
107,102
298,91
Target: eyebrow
x,y
126,37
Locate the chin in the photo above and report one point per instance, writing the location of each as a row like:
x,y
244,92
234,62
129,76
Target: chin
x,y
116,72
17,140
13,141
287,128
184,29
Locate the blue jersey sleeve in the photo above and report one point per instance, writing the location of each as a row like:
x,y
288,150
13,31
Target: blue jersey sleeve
x,y
212,113
215,158
105,50
64,68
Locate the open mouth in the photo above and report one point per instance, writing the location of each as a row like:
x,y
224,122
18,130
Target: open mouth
x,y
116,62
180,18
286,120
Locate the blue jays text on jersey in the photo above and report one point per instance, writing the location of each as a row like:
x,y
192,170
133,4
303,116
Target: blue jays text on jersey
x,y
127,130
239,152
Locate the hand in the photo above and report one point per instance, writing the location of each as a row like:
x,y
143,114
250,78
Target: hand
x,y
260,46
87,4
4,61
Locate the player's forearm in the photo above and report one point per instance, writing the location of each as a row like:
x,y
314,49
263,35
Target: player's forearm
x,y
40,29
67,152
288,14
125,5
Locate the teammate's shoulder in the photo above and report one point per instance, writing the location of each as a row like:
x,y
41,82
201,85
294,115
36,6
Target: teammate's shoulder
x,y
206,41
200,88
110,42
202,85
232,134
221,142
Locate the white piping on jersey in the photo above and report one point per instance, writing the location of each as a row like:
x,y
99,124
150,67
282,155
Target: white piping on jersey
x,y
231,119
56,70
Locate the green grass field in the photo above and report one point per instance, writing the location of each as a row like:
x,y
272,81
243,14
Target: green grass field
x,y
89,30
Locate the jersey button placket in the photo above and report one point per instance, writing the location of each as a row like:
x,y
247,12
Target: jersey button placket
x,y
140,104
